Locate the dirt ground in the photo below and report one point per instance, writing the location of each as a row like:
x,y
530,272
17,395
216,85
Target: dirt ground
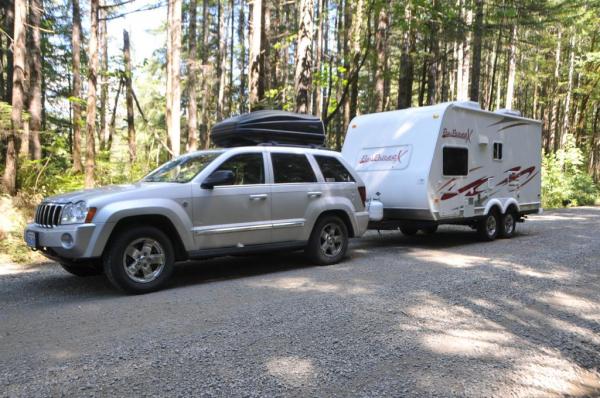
x,y
441,315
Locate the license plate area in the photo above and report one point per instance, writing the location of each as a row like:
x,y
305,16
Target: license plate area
x,y
31,238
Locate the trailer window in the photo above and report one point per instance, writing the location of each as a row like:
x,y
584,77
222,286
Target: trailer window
x,y
455,161
333,170
497,151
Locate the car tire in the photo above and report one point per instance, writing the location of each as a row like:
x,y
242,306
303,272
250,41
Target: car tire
x,y
328,241
430,230
408,231
508,224
139,260
488,227
83,269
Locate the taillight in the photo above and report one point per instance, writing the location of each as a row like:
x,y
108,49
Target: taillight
x,y
362,191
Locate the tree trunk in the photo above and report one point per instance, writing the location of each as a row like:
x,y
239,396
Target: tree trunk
x,y
129,98
554,124
18,81
512,69
90,137
303,76
381,66
476,51
432,64
173,84
204,137
406,76
255,64
222,60
242,58
357,22
318,88
35,79
192,111
103,38
466,64
76,93
231,57
567,118
9,19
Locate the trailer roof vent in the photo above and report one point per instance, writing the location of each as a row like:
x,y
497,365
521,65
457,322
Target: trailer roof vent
x,y
269,127
505,111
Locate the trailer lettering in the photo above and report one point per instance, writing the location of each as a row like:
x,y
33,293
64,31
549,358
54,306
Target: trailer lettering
x,y
380,157
463,135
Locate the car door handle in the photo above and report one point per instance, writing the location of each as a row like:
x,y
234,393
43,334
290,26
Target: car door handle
x,y
261,196
314,194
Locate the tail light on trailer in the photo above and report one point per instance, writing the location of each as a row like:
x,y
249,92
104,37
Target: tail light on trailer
x,y
362,191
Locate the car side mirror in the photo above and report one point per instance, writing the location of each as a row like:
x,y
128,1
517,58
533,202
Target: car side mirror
x,y
219,177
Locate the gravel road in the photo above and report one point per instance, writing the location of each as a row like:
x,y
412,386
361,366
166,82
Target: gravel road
x,y
441,315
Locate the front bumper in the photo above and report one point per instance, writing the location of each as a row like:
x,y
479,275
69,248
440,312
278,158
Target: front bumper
x,y
50,240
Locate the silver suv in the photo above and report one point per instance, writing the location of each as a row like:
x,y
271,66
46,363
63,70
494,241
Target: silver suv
x,y
205,204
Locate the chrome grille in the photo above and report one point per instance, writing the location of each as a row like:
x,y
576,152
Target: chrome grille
x,y
47,215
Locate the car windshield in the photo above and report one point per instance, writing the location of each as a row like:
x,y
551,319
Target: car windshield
x,y
182,169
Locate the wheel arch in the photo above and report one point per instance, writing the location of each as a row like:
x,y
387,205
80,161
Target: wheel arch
x,y
154,220
492,205
511,204
341,214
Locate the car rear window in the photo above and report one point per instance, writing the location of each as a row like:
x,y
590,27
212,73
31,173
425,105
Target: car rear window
x,y
333,170
292,168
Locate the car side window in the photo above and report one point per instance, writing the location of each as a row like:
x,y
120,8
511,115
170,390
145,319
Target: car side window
x,y
247,168
333,170
292,168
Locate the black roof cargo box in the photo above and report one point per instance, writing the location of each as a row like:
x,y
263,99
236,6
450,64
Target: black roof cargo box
x,y
269,127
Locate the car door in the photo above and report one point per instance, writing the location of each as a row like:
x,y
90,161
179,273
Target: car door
x,y
237,214
295,192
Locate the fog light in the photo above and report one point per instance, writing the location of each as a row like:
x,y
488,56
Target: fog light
x,y
67,241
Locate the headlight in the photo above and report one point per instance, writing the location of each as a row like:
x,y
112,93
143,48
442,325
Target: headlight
x,y
75,213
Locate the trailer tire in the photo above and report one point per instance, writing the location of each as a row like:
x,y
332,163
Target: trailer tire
x,y
408,231
430,230
489,226
508,224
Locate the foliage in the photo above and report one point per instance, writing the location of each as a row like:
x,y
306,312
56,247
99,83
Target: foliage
x,y
564,182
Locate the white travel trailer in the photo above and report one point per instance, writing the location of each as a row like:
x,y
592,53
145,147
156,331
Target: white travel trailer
x,y
451,163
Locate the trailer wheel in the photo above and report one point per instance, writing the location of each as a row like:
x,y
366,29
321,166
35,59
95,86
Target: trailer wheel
x,y
430,230
508,224
489,226
408,231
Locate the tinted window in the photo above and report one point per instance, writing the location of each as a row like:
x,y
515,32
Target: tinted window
x,y
497,150
248,168
456,161
333,170
288,167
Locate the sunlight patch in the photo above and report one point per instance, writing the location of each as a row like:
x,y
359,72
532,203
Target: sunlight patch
x,y
303,284
292,370
449,259
470,342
